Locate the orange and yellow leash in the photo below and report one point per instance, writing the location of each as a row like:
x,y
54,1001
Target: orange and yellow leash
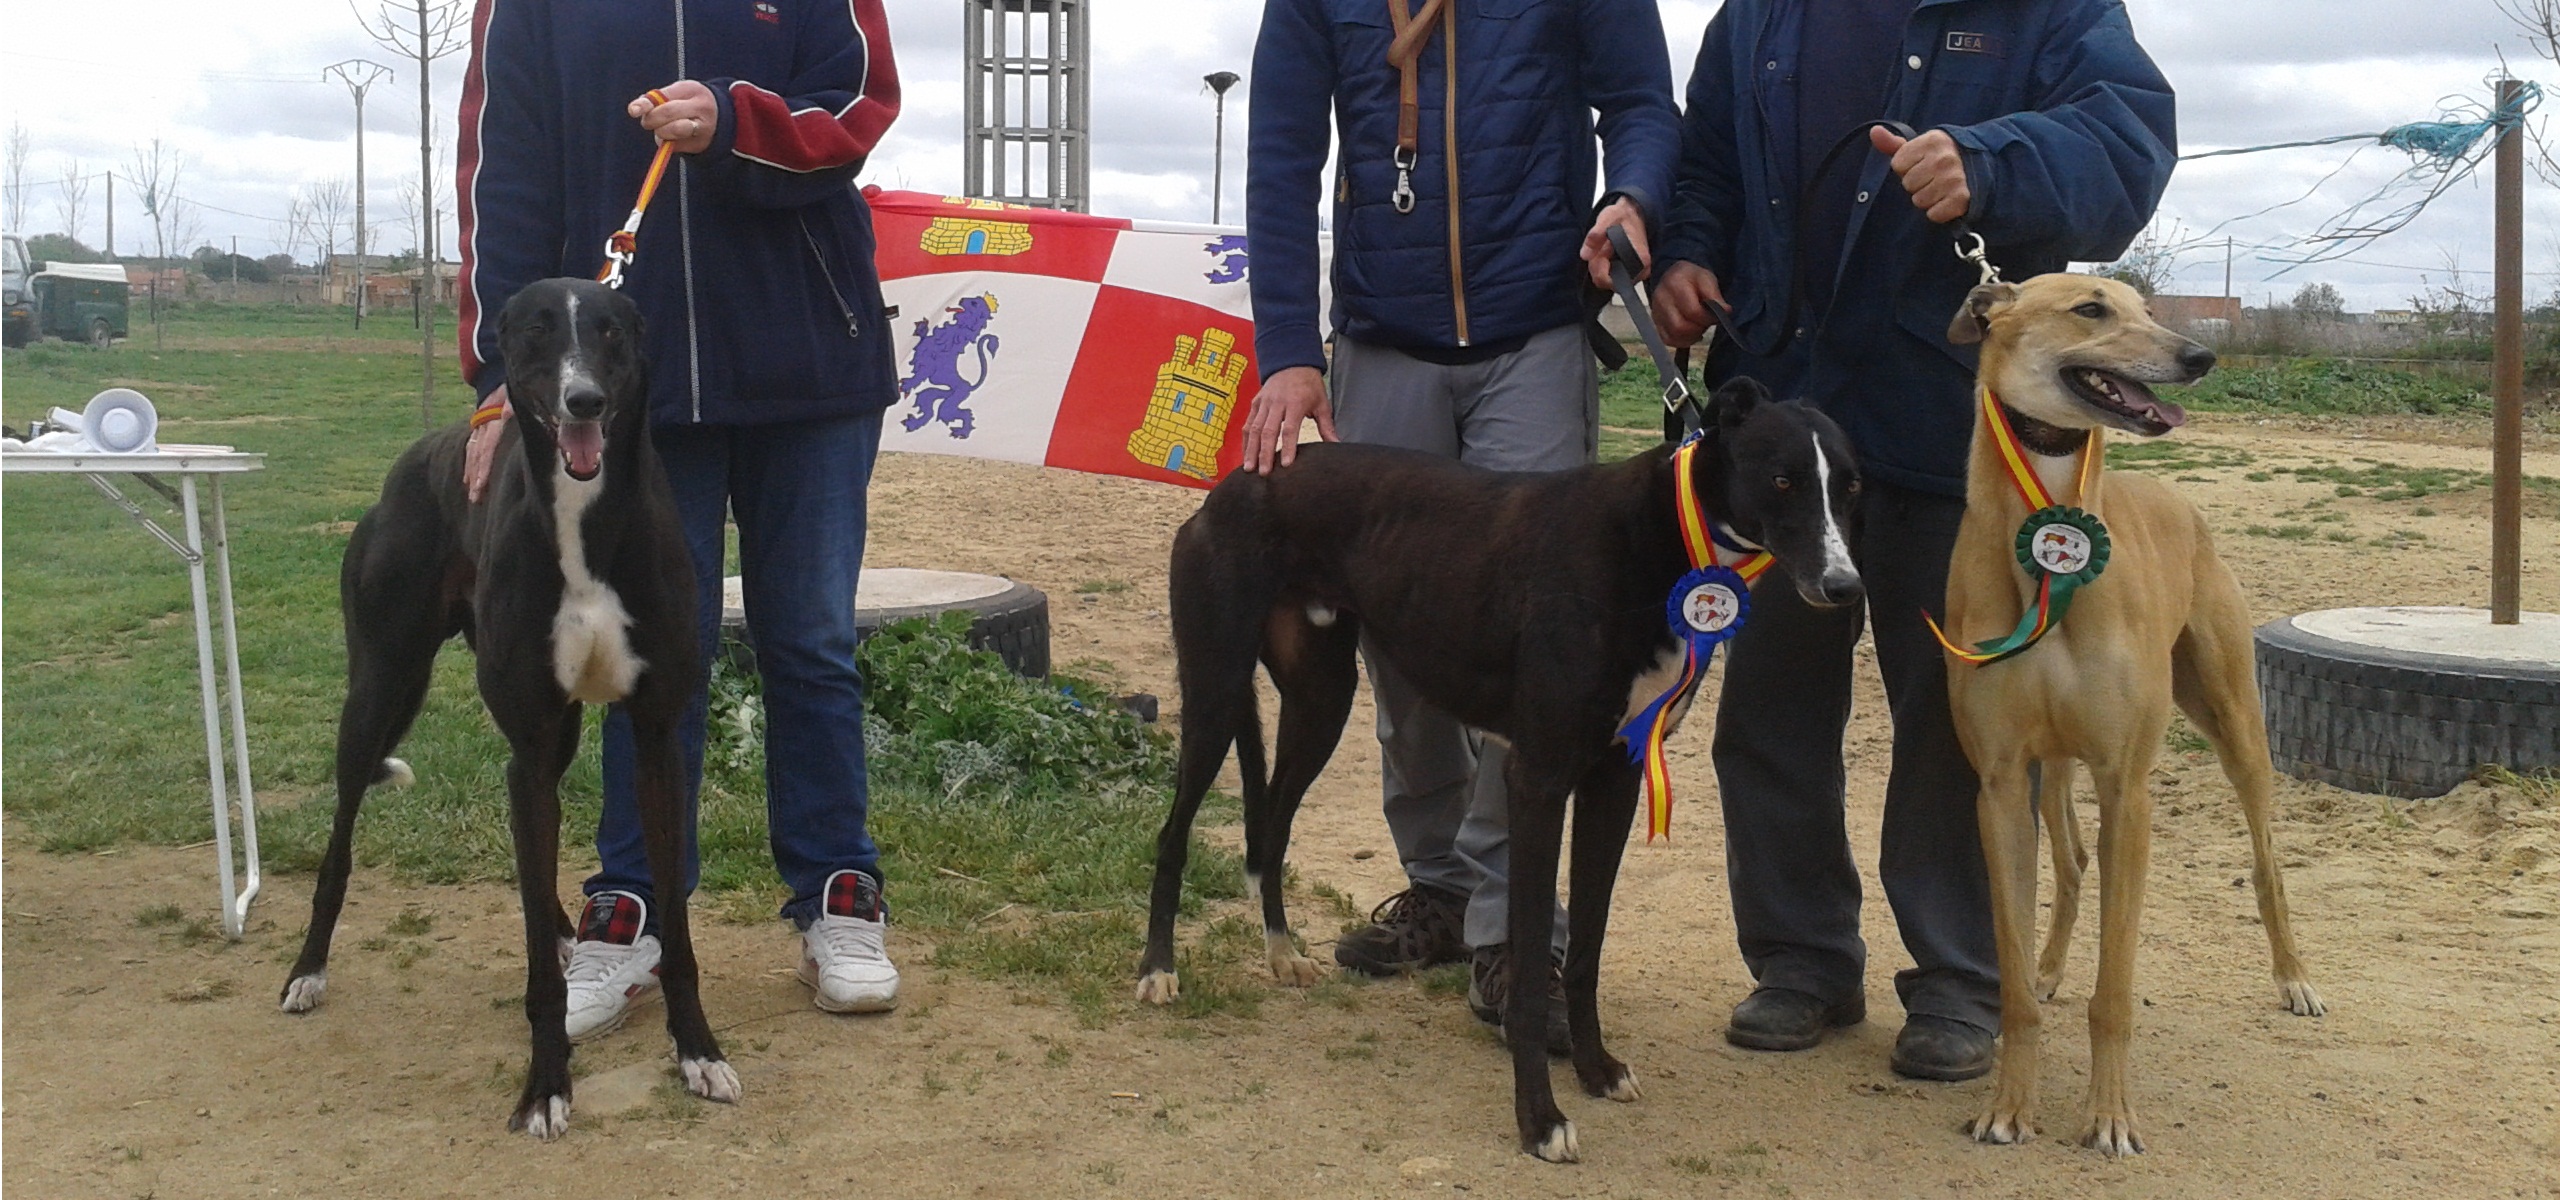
x,y
2062,546
1705,608
623,245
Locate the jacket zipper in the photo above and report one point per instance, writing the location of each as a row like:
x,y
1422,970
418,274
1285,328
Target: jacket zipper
x,y
852,325
1449,151
684,232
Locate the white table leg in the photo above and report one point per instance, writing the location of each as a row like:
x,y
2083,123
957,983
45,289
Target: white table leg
x,y
237,916
215,765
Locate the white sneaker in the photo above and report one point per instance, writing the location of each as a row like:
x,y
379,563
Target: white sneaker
x,y
612,966
844,954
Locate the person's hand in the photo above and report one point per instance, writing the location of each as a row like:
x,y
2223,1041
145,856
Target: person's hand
x,y
688,119
1681,299
1595,244
483,446
1280,410
1932,170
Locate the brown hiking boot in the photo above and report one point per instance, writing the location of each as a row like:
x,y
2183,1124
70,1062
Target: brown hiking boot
x,y
1489,993
1414,929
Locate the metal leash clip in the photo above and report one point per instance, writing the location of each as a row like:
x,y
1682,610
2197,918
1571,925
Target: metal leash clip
x,y
1404,180
1978,253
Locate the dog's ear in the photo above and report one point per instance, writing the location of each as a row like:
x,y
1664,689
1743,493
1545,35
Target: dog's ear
x,y
1974,320
1735,400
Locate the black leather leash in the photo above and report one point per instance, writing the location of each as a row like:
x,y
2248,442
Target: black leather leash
x,y
1677,399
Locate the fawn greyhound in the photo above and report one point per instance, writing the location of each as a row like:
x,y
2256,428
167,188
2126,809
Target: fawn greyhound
x,y
1529,606
2064,359
571,582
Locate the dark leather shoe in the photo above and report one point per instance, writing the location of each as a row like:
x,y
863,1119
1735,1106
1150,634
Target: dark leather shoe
x,y
1489,993
1413,930
1941,1049
1776,1018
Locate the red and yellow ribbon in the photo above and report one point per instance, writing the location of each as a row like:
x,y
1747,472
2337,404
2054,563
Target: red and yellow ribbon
x,y
2050,603
1646,732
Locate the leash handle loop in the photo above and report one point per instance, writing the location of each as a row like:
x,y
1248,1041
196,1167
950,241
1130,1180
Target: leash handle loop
x,y
1623,262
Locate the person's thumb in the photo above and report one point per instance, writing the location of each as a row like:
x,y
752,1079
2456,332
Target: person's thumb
x,y
1884,140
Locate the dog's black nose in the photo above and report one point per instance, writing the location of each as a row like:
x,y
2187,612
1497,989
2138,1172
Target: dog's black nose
x,y
583,403
1841,587
2195,360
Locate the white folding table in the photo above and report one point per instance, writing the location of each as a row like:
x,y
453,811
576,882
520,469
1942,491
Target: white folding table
x,y
187,463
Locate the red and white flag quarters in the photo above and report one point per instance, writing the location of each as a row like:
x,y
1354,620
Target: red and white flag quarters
x,y
1095,343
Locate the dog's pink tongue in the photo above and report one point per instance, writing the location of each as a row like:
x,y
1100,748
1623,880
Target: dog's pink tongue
x,y
582,448
2147,403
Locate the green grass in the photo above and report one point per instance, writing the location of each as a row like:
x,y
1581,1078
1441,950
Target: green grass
x,y
1017,826
2322,386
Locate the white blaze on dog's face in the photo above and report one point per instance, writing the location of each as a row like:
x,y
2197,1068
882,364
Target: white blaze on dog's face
x,y
1785,477
2079,352
573,370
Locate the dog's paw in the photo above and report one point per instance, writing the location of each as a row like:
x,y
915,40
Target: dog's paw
x,y
395,774
1623,1089
710,1078
2112,1134
1288,966
2001,1125
2300,997
303,992
2048,986
542,1118
1558,1145
1159,987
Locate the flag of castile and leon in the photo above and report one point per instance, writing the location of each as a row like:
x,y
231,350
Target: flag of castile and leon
x,y
1093,343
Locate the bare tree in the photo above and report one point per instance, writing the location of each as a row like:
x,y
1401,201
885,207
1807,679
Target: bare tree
x,y
72,202
18,149
326,209
421,31
2540,21
155,173
2150,264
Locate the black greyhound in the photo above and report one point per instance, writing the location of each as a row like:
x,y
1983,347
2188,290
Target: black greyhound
x,y
571,583
1529,606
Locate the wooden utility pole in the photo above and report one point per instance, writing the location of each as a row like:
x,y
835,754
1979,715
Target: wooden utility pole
x,y
2506,456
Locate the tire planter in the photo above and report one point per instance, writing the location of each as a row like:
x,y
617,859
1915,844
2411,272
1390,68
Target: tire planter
x,y
2409,702
1011,619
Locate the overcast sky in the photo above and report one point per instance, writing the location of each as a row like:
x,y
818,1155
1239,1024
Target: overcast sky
x,y
235,88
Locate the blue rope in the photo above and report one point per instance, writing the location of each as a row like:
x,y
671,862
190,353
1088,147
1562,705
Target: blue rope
x,y
2441,143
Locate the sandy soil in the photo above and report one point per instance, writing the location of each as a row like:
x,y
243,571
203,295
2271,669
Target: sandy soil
x,y
143,1064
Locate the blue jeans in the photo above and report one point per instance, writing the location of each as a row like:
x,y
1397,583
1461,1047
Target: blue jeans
x,y
799,491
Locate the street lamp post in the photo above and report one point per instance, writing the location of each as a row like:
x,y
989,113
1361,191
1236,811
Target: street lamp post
x,y
359,75
1219,82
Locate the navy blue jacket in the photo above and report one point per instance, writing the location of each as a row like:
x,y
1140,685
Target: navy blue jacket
x,y
2068,134
754,271
1530,73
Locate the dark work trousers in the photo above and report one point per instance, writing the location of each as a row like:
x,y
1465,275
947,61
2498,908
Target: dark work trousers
x,y
1778,765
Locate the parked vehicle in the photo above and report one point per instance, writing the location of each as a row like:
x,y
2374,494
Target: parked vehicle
x,y
81,302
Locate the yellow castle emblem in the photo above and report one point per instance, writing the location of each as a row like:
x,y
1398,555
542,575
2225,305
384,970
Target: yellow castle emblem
x,y
1194,399
961,235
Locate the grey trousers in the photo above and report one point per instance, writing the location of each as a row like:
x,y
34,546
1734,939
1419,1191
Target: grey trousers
x,y
1778,766
1534,409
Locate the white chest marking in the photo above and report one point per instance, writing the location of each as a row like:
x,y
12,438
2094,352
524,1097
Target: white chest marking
x,y
590,636
2060,475
1656,679
1835,548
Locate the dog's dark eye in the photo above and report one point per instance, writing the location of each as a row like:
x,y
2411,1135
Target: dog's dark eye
x,y
1782,483
2092,310
613,333
1854,485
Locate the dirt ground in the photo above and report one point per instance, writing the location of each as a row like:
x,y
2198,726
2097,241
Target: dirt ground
x,y
141,1062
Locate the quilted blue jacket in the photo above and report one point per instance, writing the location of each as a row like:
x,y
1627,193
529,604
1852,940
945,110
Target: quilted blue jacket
x,y
2068,133
754,270
1530,73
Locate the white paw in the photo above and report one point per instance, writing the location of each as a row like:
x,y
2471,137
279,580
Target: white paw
x,y
1561,1145
710,1078
1288,966
2002,1126
547,1119
2112,1135
396,773
2299,996
1158,987
1625,1091
303,994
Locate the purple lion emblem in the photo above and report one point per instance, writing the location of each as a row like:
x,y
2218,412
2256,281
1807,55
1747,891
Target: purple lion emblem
x,y
1232,260
933,379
